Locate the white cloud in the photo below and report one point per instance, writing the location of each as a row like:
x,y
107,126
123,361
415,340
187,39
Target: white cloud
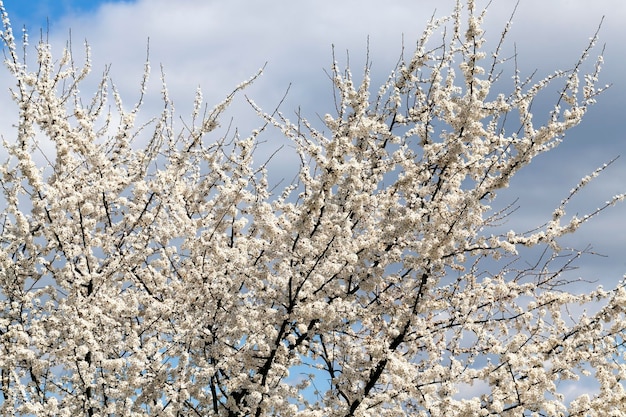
x,y
218,44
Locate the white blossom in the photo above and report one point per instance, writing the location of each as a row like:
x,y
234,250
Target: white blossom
x,y
154,269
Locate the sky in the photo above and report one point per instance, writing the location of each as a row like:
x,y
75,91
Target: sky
x,y
216,44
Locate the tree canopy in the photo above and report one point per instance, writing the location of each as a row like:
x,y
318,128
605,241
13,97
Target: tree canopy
x,y
152,269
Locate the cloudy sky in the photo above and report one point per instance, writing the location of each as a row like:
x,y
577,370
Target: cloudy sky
x,y
216,44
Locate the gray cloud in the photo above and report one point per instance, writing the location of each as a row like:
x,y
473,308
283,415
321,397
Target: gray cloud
x,y
218,44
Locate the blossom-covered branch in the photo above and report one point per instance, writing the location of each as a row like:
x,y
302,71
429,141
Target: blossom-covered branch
x,y
150,268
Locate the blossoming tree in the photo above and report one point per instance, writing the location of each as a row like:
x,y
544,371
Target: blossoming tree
x,y
151,269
